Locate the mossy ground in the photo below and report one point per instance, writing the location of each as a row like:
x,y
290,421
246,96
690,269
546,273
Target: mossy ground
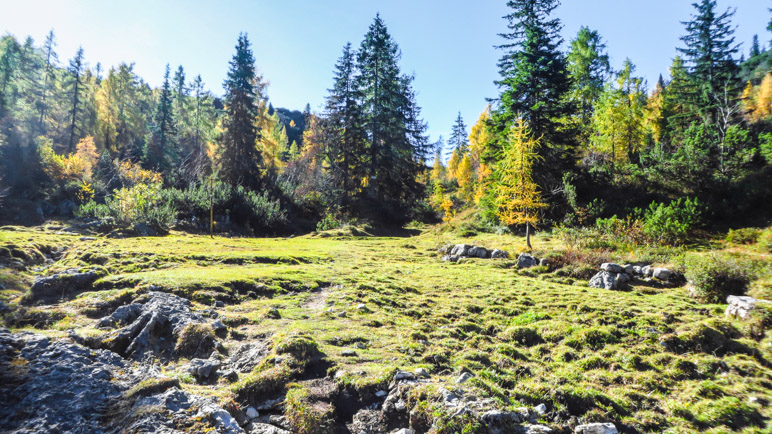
x,y
650,358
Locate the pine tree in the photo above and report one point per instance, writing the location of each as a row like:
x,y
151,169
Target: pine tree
x,y
159,150
517,196
348,144
709,58
755,49
75,70
241,161
48,77
534,82
588,68
391,118
458,136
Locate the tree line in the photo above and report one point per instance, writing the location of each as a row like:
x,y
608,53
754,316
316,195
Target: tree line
x,y
567,140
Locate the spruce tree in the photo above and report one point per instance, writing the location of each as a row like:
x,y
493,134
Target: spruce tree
x,y
588,69
755,49
709,58
241,161
75,70
392,120
348,144
159,150
48,77
534,83
459,138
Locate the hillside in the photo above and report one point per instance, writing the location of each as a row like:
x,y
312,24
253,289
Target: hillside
x,y
340,331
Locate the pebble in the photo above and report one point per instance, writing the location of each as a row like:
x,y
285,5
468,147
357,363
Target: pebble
x,y
252,413
541,409
421,372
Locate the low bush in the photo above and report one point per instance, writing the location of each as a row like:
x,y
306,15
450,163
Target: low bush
x,y
716,276
765,240
140,208
743,236
671,223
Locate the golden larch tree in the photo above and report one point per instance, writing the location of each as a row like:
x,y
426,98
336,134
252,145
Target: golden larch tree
x,y
518,199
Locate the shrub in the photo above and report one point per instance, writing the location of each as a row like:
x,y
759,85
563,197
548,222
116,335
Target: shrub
x,y
765,240
743,236
716,276
671,223
139,208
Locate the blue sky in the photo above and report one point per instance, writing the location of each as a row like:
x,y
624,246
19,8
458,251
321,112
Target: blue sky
x,y
447,44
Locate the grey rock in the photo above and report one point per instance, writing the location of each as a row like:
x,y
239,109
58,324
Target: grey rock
x,y
526,261
446,249
264,428
596,428
477,252
500,421
629,269
203,369
460,250
450,258
623,278
646,270
123,315
381,393
247,357
537,429
361,307
611,267
544,262
541,409
222,420
348,353
742,307
661,273
163,315
63,386
463,378
87,238
270,404
252,413
605,280
403,375
421,372
64,284
637,270
499,254
404,431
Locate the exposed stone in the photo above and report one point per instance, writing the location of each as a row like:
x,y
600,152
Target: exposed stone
x,y
537,429
154,327
498,421
740,306
637,269
64,284
477,252
623,278
403,375
404,431
446,249
87,239
611,267
264,428
629,269
421,372
541,409
526,261
463,378
544,262
605,280
460,250
499,254
661,273
348,353
203,369
646,270
247,356
252,413
596,428
450,258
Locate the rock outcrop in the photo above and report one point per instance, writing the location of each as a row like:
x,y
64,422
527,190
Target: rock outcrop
x,y
453,253
613,276
743,307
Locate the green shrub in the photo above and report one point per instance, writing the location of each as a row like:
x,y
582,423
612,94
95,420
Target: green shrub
x,y
743,236
716,276
671,223
140,208
765,240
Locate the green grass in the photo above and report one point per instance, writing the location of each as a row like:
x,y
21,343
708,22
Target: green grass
x,y
651,358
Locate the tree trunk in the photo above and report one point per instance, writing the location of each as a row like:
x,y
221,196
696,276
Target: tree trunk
x,y
528,235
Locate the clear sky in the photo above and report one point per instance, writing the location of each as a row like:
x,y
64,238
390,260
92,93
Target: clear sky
x,y
447,44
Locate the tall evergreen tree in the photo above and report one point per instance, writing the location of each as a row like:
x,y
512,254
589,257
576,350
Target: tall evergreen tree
x,y
588,69
391,118
241,160
534,83
348,144
48,77
709,58
159,151
76,80
755,49
459,138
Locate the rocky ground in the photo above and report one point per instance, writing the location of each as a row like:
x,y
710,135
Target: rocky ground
x,y
362,335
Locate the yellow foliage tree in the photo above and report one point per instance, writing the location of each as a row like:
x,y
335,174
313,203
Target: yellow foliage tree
x,y
438,169
480,137
758,100
465,176
517,196
77,166
455,160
